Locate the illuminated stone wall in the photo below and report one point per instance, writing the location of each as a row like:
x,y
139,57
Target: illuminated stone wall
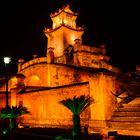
x,y
53,75
45,109
93,60
101,86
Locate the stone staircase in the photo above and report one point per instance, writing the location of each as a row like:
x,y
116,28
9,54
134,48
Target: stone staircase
x,y
126,119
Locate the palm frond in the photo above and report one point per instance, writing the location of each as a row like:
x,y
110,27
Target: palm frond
x,y
86,101
13,112
77,104
69,104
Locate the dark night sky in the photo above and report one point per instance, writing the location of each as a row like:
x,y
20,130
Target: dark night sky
x,y
111,22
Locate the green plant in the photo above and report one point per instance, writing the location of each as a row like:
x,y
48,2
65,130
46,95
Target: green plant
x,y
11,113
58,138
77,105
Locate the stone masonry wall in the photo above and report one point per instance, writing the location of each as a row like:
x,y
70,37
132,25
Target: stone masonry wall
x,y
45,108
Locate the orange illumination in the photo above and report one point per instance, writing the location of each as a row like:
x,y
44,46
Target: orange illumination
x,y
13,97
63,76
65,21
34,80
14,82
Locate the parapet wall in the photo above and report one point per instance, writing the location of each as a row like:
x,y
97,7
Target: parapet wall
x,y
34,61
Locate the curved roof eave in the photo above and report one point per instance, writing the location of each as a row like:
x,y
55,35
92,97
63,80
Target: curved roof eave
x,y
82,29
54,15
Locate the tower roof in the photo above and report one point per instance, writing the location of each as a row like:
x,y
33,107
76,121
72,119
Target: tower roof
x,y
48,30
65,9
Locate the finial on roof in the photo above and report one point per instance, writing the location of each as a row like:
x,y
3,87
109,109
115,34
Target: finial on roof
x,y
66,3
21,60
35,56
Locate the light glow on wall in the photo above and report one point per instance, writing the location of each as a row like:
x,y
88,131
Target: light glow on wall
x,y
13,82
33,80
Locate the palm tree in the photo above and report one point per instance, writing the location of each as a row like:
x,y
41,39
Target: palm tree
x,y
12,113
77,105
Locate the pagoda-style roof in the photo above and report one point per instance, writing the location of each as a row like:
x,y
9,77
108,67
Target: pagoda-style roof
x,y
65,9
49,30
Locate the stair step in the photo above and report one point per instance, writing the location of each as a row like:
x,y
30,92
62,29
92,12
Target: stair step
x,y
127,114
124,118
125,125
132,109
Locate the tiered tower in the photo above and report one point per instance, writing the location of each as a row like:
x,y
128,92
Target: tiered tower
x,y
63,32
65,43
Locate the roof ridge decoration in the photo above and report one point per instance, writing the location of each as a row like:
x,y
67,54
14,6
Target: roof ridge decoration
x,y
65,9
